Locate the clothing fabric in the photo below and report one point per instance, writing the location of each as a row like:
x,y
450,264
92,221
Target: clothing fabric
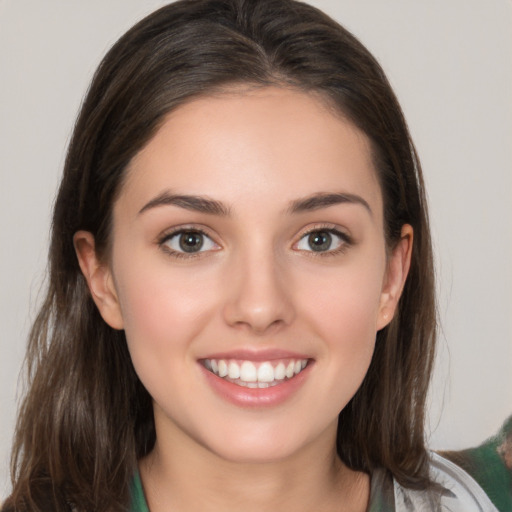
x,y
474,480
138,500
490,464
461,492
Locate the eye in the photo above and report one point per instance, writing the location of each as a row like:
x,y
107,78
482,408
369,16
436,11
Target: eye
x,y
188,241
323,240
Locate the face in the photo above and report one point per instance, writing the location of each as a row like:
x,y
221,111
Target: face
x,y
249,271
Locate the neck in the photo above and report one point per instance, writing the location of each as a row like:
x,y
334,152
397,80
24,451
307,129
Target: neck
x,y
184,476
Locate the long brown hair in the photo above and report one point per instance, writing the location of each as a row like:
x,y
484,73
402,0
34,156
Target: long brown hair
x,y
86,418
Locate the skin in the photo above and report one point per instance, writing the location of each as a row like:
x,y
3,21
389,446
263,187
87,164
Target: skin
x,y
256,284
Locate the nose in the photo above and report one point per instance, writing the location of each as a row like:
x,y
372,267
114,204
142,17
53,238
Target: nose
x,y
259,296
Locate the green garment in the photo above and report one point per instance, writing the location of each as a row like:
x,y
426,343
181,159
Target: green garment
x,y
381,500
485,464
138,500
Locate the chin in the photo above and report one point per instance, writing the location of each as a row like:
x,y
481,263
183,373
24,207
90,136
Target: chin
x,y
261,453
262,445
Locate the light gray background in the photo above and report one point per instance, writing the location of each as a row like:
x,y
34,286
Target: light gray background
x,y
450,62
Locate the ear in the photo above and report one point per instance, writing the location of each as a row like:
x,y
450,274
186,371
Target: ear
x,y
396,273
99,279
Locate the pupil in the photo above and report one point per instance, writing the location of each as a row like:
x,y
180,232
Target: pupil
x,y
320,241
191,241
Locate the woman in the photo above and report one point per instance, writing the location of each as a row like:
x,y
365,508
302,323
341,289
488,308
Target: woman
x,y
241,287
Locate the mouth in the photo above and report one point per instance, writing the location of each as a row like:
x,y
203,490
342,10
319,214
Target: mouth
x,y
252,374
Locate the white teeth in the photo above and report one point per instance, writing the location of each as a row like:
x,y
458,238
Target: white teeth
x,y
280,372
255,375
223,368
265,373
233,370
248,372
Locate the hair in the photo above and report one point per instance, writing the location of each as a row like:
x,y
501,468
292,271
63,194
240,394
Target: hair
x,y
86,418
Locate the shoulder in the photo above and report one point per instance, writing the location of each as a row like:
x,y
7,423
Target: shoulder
x,y
476,479
452,490
490,464
456,491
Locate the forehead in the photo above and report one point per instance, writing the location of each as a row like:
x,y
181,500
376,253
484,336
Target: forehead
x,y
241,145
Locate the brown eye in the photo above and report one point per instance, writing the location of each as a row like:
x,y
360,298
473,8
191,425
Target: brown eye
x,y
323,241
320,241
189,241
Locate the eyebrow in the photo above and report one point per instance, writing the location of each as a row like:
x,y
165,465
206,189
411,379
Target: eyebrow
x,y
203,204
324,200
189,202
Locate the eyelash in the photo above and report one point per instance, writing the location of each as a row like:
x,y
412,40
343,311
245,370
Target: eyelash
x,y
345,241
162,241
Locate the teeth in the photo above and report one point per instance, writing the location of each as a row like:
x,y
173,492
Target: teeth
x,y
280,372
233,370
265,373
248,372
254,375
223,368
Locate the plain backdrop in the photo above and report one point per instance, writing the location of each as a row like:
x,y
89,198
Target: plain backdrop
x,y
450,62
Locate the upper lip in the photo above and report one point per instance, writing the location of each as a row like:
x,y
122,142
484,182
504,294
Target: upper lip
x,y
257,354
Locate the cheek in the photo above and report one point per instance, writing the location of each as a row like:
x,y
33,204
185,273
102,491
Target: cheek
x,y
345,304
342,309
347,324
163,307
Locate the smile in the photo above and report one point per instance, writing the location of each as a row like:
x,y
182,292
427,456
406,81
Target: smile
x,y
249,374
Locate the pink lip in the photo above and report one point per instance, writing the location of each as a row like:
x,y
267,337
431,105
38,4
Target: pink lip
x,y
257,355
257,397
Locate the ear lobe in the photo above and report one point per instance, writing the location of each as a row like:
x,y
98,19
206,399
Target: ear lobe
x,y
99,279
396,275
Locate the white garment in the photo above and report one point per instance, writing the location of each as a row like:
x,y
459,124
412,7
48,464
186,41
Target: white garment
x,y
462,494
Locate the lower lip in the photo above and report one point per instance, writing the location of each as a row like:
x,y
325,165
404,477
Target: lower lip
x,y
256,397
